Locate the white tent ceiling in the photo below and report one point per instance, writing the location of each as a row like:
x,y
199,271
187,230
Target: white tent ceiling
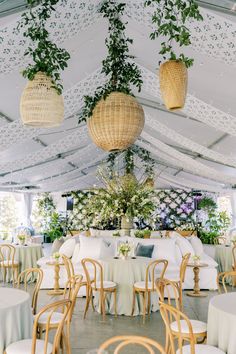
x,y
193,148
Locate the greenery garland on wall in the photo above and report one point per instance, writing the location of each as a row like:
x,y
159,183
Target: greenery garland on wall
x,y
121,72
170,18
47,56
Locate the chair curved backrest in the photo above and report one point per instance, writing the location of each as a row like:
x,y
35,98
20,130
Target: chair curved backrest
x,y
234,256
7,254
69,266
151,272
62,306
170,314
222,278
71,291
25,277
220,240
97,272
168,292
122,341
183,266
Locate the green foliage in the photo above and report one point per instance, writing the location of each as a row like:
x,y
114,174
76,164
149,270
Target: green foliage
x,y
81,217
121,196
55,227
216,225
43,212
117,66
142,233
128,158
207,237
207,203
46,56
170,18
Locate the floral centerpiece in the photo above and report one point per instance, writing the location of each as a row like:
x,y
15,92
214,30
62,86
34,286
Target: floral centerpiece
x,y
124,197
196,259
124,249
22,238
56,256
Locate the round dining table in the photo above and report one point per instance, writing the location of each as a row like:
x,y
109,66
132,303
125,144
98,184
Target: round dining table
x,y
125,273
221,325
16,319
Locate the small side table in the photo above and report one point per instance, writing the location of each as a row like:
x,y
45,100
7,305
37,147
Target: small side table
x,y
56,288
196,289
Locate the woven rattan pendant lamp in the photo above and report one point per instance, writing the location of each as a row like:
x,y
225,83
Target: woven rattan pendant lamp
x,y
40,104
114,118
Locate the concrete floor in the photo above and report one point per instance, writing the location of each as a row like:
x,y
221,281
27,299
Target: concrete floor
x,y
88,334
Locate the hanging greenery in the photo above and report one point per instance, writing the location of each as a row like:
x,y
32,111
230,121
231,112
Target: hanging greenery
x,y
122,73
128,160
170,18
47,56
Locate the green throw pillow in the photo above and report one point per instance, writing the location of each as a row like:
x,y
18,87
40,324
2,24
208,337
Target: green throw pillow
x,y
144,251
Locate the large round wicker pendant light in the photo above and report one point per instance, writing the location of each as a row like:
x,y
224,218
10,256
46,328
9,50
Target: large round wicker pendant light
x,y
40,104
116,122
173,84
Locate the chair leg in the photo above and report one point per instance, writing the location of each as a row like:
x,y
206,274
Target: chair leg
x,y
149,302
144,306
88,295
4,274
103,299
92,300
115,303
133,305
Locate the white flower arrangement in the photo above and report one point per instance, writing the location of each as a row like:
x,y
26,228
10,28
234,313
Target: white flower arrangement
x,y
124,249
196,259
56,256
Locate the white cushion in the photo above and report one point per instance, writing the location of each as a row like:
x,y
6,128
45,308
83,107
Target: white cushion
x,y
106,284
197,245
208,260
56,245
68,248
24,347
201,349
75,256
141,285
198,326
90,247
184,245
56,317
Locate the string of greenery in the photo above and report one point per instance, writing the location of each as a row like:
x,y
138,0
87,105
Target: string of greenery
x,y
47,56
128,158
170,18
122,73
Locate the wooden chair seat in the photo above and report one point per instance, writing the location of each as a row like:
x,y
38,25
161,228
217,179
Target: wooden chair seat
x,y
200,349
198,327
108,285
55,319
141,286
25,347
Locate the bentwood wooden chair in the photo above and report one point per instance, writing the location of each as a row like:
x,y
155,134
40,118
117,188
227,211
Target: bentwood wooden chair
x,y
170,313
70,293
43,346
122,342
234,258
145,288
8,262
181,277
168,292
25,277
96,282
223,278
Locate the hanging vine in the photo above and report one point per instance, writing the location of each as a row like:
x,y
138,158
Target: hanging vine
x,y
122,73
170,18
47,56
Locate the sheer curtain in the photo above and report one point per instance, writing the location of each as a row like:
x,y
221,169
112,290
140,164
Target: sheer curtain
x,y
28,203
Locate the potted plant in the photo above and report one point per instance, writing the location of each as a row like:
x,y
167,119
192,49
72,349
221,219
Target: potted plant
x,y
114,117
41,103
170,18
142,233
22,238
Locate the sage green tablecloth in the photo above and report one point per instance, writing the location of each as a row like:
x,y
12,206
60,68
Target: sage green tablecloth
x,y
27,256
221,324
224,258
125,273
16,319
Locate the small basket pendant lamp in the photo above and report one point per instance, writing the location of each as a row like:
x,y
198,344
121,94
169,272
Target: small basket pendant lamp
x,y
40,104
173,84
116,122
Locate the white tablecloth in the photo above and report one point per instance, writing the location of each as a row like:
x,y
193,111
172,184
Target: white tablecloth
x,y
16,318
125,273
221,326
